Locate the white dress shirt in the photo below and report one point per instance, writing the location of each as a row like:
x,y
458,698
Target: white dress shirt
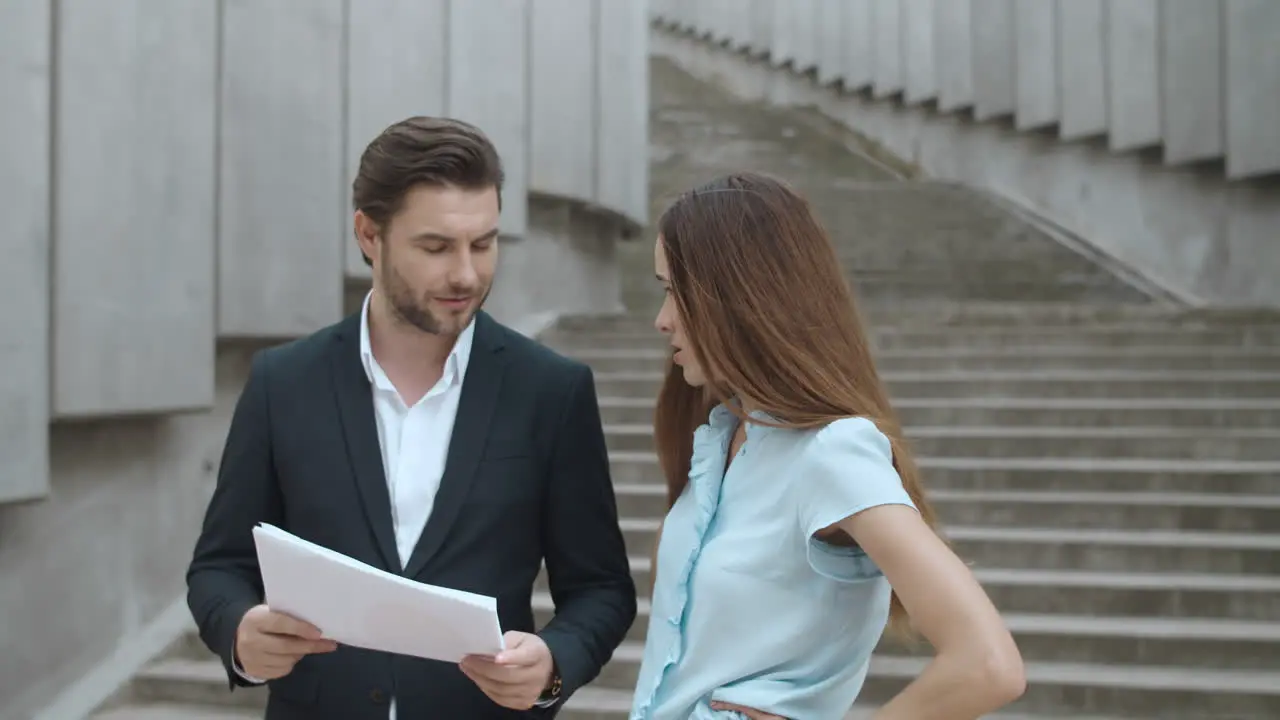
x,y
414,440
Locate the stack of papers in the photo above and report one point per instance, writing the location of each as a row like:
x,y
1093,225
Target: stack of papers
x,y
359,605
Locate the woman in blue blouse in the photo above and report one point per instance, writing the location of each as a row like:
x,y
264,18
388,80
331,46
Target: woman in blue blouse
x,y
798,530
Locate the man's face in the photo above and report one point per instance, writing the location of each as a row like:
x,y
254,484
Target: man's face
x,y
434,262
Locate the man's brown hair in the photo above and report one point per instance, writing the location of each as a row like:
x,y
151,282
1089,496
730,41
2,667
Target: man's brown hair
x,y
421,150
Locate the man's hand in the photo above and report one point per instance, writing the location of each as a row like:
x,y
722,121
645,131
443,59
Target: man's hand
x,y
269,644
749,712
515,677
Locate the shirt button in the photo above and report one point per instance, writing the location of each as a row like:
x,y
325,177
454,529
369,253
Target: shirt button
x,y
377,696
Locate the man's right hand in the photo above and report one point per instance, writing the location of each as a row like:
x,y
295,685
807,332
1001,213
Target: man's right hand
x,y
269,644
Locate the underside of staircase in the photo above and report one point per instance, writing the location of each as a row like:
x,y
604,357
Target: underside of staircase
x,y
1108,461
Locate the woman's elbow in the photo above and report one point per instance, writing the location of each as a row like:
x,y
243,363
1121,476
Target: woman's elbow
x,y
1004,678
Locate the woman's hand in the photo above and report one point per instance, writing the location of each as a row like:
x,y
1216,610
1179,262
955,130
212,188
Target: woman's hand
x,y
749,712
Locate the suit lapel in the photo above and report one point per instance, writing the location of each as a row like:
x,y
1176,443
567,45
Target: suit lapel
x,y
360,430
480,388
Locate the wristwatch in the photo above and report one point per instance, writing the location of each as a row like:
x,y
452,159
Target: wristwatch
x,y
551,692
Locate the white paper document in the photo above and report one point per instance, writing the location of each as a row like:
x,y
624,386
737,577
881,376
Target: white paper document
x,y
359,605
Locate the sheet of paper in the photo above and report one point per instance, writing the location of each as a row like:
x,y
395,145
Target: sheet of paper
x,y
359,605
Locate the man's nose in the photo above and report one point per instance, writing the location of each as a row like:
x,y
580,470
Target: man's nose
x,y
464,274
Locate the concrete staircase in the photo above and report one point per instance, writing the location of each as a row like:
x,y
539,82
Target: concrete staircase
x,y
1115,482
1113,473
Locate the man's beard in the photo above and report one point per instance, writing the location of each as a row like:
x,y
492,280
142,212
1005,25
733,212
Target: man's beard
x,y
407,308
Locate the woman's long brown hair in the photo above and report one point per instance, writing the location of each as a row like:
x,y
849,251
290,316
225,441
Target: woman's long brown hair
x,y
769,316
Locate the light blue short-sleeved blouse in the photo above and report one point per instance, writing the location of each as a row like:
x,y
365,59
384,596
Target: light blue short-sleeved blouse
x,y
747,607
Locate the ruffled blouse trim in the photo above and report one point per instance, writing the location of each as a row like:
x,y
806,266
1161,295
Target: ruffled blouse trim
x,y
706,477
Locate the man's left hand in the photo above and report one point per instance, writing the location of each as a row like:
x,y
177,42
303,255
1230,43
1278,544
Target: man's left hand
x,y
515,677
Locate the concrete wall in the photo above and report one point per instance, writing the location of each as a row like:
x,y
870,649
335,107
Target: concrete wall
x,y
175,178
1150,128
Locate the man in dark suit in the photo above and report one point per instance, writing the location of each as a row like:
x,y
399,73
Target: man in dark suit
x,y
422,437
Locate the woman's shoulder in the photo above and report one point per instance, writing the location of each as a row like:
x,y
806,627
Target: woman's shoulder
x,y
848,438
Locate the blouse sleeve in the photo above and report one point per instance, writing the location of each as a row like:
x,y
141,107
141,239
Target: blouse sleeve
x,y
847,468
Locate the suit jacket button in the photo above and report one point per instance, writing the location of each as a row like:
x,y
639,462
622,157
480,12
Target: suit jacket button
x,y
377,696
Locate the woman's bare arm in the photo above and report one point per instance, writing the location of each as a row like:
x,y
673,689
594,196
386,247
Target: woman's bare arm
x,y
977,668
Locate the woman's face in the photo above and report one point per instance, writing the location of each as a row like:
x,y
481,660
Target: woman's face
x,y
668,321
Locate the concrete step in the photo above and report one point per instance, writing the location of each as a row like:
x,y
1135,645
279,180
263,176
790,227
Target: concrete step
x,y
1132,691
1096,549
1139,639
1089,442
197,690
1079,509
1027,411
997,314
1213,596
1029,383
1033,473
983,358
1070,688
177,711
193,681
1143,596
891,338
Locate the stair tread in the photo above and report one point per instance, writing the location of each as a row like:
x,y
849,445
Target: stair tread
x,y
1046,403
1022,374
1181,538
1125,626
1261,682
606,699
176,711
584,352
986,432
1079,464
1095,578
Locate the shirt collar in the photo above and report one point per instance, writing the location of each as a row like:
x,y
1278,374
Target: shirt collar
x,y
455,366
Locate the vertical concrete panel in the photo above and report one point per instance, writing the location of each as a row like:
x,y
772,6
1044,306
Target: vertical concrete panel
x,y
395,70
742,17
25,85
953,53
859,49
489,88
705,20
622,139
784,40
994,59
282,177
1082,73
762,29
887,40
1133,74
1253,87
562,97
1036,56
831,33
804,33
133,261
1191,73
920,70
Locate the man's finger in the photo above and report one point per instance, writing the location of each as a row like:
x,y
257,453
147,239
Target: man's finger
x,y
518,656
289,645
489,671
281,624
